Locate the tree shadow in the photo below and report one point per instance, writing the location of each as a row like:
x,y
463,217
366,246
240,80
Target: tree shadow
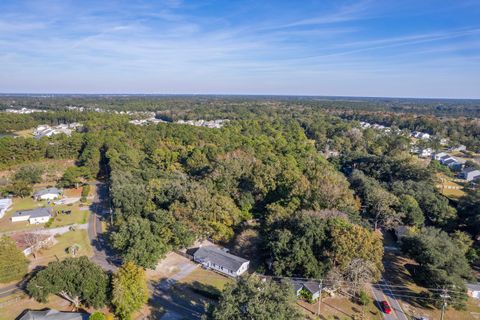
x,y
177,299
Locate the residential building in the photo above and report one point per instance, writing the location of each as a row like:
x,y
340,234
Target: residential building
x,y
470,174
47,194
34,216
311,287
460,147
438,155
4,205
473,290
218,259
52,314
425,153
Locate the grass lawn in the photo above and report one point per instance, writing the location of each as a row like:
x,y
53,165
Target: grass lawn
x,y
59,250
27,133
449,188
77,215
208,278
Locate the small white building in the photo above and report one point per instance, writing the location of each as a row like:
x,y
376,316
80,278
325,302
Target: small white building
x,y
4,205
473,290
470,174
437,156
219,260
311,287
34,216
47,194
425,153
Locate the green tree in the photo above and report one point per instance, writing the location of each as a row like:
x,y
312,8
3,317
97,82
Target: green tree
x,y
129,292
412,214
75,279
13,264
252,298
97,315
20,188
29,173
379,203
441,262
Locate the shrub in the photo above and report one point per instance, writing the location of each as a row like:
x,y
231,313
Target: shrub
x,y
97,315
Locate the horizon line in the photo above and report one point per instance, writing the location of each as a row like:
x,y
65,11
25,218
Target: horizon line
x,y
231,95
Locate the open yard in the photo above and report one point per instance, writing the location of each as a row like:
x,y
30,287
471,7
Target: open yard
x,y
207,278
59,250
450,188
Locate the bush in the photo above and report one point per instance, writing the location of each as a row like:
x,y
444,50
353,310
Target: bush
x,y
97,316
363,298
49,223
85,192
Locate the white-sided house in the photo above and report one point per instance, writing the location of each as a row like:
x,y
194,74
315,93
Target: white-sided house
x,y
438,155
217,259
473,290
311,286
470,174
47,194
4,205
34,216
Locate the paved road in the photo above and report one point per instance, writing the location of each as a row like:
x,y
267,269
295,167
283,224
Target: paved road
x,y
382,292
102,253
8,290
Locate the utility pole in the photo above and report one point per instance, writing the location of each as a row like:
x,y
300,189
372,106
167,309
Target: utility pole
x,y
444,296
320,297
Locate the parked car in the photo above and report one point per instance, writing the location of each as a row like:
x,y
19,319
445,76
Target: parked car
x,y
386,307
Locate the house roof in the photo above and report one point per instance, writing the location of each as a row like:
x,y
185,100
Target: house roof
x,y
473,286
51,314
311,286
34,213
219,257
46,191
470,169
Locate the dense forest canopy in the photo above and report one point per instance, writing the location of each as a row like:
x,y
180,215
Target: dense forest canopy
x,y
302,170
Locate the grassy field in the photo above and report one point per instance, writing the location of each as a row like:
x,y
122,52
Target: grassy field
x,y
208,278
59,250
449,188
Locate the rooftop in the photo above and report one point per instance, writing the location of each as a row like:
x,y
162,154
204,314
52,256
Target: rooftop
x,y
219,257
51,314
46,191
34,213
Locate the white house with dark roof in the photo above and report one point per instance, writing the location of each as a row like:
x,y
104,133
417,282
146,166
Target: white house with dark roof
x,y
473,290
311,286
219,260
34,216
47,194
470,174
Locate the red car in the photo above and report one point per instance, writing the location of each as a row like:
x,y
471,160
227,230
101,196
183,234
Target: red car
x,y
386,307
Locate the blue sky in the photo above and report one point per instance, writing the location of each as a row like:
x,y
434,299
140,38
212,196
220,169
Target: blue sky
x,y
397,48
